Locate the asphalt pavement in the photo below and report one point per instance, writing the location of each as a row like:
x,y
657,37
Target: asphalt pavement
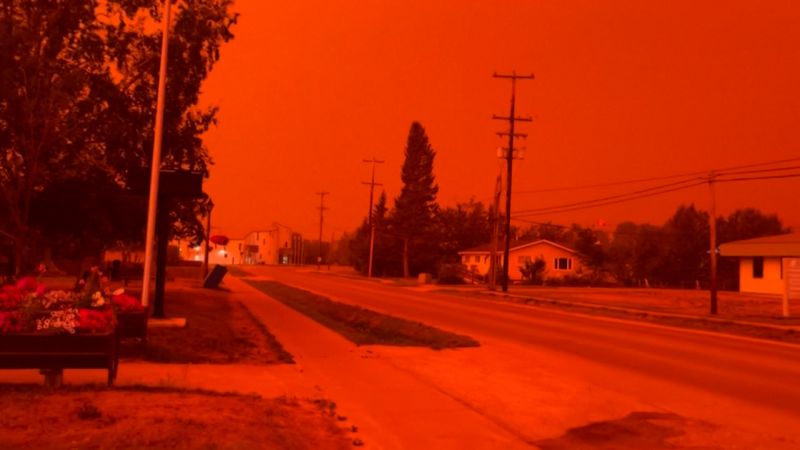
x,y
749,388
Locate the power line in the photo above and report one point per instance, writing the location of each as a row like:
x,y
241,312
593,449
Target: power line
x,y
611,183
645,193
555,210
776,169
613,197
767,177
656,178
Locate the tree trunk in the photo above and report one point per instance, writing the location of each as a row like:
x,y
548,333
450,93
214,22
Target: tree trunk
x,y
405,258
19,254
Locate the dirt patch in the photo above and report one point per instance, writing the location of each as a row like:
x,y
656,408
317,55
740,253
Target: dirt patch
x,y
638,430
218,330
359,325
85,418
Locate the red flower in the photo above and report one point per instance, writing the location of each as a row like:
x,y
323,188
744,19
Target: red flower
x,y
9,298
27,284
10,322
126,303
93,320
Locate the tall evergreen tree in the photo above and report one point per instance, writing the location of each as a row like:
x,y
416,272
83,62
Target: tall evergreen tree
x,y
416,205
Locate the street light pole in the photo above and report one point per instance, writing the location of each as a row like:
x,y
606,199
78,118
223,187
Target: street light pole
x,y
155,164
208,234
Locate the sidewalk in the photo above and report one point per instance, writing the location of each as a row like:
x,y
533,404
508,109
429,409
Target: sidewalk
x,y
393,409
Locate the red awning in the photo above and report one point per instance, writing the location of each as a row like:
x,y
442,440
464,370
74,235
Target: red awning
x,y
219,240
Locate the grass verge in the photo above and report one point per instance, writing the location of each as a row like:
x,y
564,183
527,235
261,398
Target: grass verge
x,y
359,325
707,323
218,331
86,417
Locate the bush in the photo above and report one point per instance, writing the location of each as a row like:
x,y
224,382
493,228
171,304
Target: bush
x,y
451,274
533,271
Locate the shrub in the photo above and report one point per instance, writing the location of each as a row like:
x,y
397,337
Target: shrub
x,y
451,274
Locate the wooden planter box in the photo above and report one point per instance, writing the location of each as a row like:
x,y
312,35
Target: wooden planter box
x,y
132,325
55,352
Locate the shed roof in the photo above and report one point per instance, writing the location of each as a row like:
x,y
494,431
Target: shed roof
x,y
780,245
515,245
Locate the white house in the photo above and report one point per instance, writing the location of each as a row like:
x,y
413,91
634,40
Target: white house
x,y
763,261
559,260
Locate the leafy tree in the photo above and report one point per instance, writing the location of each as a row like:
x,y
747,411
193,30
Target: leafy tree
x,y
590,245
635,252
533,271
52,71
77,93
385,259
748,223
463,226
549,231
415,207
622,252
685,261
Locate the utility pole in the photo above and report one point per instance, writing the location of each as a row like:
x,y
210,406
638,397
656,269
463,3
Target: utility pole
x,y
498,188
712,222
372,185
322,209
330,249
511,119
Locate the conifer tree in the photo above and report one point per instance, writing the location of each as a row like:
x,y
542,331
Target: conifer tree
x,y
416,205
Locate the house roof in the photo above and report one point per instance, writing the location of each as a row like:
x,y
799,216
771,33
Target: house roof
x,y
780,245
515,245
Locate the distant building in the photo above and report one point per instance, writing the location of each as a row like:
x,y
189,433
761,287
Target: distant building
x,y
277,245
762,261
559,260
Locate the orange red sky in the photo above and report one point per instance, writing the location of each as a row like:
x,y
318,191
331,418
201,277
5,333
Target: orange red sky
x,y
624,89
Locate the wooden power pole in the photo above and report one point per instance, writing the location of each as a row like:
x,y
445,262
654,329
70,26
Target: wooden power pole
x,y
322,209
370,222
712,224
498,188
509,156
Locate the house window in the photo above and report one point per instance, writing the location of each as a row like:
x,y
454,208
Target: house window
x,y
523,259
758,267
562,263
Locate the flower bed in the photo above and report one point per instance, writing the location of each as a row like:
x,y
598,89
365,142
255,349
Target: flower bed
x,y
53,330
55,352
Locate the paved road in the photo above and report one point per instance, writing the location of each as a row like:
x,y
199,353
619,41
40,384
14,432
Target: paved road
x,y
672,368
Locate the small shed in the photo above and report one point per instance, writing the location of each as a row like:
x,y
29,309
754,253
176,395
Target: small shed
x,y
764,261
